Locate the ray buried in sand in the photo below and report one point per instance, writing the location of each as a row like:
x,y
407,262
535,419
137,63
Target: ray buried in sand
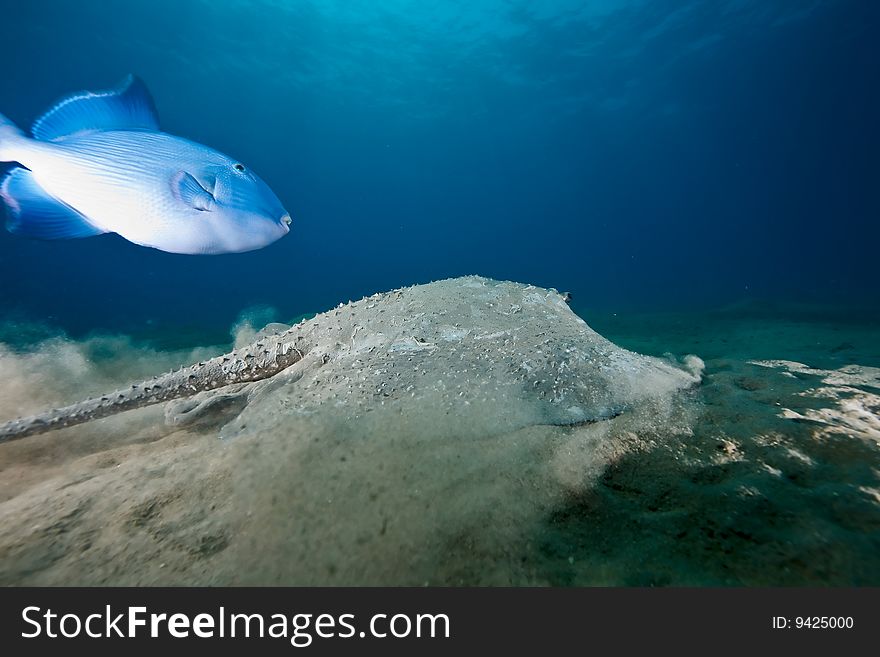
x,y
504,334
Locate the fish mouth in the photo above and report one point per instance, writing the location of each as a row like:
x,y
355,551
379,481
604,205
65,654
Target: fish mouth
x,y
286,220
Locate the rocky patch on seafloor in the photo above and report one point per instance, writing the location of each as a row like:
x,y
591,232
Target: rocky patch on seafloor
x,y
778,483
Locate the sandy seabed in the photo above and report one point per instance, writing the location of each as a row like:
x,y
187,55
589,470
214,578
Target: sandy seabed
x,y
767,473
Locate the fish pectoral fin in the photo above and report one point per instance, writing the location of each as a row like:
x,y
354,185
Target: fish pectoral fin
x,y
190,191
127,107
34,213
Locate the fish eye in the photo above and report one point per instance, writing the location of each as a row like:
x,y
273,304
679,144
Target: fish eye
x,y
238,167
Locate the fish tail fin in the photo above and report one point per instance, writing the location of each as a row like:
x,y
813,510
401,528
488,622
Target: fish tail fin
x,y
10,136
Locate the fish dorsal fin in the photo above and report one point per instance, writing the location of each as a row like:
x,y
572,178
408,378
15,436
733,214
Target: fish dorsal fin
x,y
127,107
191,192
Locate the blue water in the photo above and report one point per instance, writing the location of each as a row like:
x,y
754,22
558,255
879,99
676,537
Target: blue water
x,y
640,154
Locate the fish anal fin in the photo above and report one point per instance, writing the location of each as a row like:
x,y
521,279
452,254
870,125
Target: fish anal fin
x,y
34,213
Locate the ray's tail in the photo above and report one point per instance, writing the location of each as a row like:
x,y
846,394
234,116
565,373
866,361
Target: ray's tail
x,y
252,363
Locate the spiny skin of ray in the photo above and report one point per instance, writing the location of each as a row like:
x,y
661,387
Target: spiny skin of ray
x,y
254,362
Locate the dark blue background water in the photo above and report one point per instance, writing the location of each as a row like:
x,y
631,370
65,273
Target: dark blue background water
x,y
640,154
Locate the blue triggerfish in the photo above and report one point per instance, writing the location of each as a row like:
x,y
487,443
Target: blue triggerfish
x,y
98,163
